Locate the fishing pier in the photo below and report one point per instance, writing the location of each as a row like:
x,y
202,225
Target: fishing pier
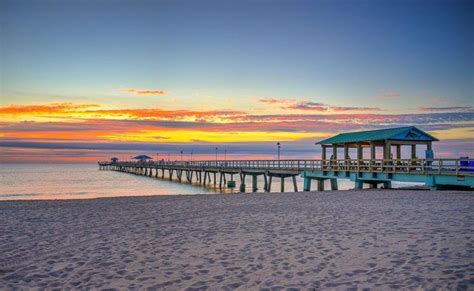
x,y
379,169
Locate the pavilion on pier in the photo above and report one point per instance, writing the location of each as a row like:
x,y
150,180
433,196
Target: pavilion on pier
x,y
381,138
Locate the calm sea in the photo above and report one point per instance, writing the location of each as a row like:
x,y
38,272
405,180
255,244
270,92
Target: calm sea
x,y
80,181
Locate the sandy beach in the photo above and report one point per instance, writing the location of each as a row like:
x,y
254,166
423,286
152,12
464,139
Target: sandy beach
x,y
375,239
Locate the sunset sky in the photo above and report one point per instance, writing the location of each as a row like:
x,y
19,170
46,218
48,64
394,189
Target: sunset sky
x,y
86,80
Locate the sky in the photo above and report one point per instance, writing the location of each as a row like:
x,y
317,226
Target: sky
x,y
83,80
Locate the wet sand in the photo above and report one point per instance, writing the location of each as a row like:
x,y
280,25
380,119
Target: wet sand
x,y
377,239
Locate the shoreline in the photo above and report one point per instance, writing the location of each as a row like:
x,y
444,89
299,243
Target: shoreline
x,y
237,193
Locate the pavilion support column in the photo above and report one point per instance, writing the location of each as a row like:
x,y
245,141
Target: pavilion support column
x,y
360,152
386,152
413,151
373,154
346,156
334,155
360,155
413,154
323,156
399,153
429,146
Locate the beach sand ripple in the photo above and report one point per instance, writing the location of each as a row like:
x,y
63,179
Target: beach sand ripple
x,y
343,239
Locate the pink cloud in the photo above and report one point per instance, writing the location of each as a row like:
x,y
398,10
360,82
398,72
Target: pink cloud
x,y
389,95
349,108
448,108
308,106
145,92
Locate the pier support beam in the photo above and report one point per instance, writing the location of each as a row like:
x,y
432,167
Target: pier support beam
x,y
294,184
265,186
254,183
269,186
282,184
307,184
242,182
321,185
220,180
333,184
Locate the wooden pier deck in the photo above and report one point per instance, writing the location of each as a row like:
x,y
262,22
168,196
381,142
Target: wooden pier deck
x,y
435,173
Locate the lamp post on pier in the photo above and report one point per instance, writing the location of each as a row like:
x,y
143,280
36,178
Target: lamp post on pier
x,y
225,155
279,146
216,155
191,155
181,156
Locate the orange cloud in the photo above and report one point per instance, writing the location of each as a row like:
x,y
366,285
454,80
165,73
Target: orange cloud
x,y
160,114
54,108
89,111
145,92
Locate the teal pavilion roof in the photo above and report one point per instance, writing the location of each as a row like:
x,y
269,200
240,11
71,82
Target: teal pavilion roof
x,y
408,133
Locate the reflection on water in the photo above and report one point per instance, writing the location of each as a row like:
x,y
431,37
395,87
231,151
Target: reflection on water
x,y
79,181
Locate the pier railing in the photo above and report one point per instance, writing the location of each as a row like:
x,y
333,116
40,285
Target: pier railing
x,y
423,166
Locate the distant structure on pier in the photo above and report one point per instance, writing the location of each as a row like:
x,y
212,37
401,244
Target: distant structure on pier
x,y
114,160
142,158
384,138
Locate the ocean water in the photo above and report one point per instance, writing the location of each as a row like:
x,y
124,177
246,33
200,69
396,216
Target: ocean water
x,y
82,181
